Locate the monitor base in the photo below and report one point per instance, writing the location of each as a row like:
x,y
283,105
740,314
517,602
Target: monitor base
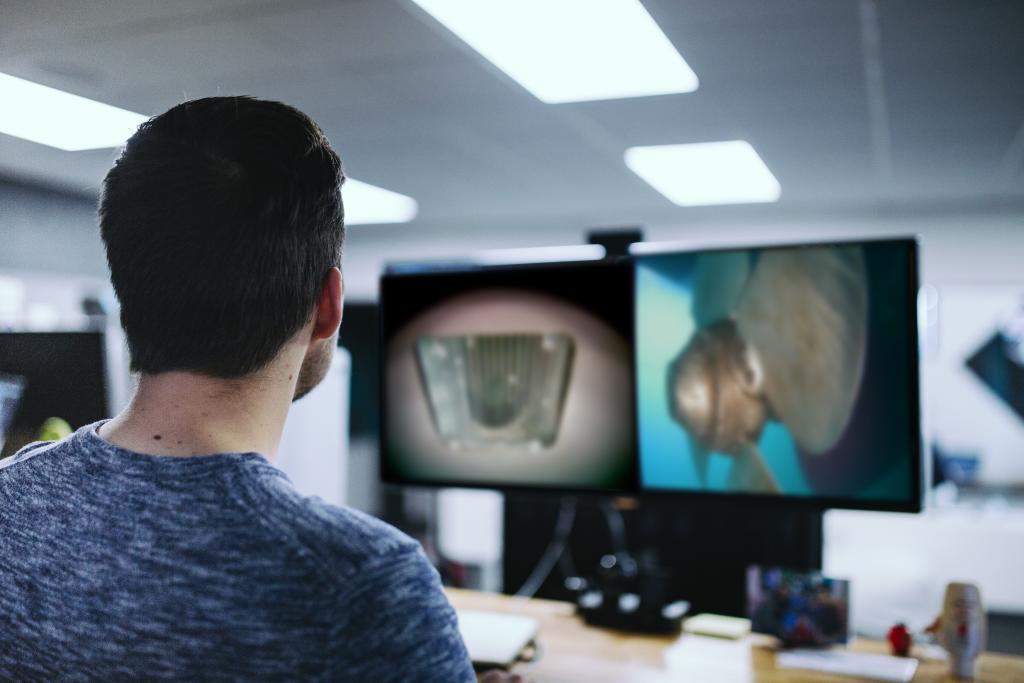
x,y
696,550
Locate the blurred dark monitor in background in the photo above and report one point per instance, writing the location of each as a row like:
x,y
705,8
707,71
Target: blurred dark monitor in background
x,y
64,376
11,389
360,336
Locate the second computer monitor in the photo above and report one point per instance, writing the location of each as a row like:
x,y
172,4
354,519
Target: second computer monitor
x,y
785,371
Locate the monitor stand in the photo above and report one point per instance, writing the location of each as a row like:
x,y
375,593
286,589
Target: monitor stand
x,y
697,549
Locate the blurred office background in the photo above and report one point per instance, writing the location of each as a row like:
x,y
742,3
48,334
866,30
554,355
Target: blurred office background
x,y
876,118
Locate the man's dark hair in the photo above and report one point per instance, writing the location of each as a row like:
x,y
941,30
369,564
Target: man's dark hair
x,y
221,219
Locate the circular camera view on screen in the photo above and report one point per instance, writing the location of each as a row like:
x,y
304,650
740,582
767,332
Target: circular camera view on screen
x,y
510,382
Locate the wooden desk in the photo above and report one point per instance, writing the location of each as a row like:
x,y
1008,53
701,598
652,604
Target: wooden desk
x,y
572,651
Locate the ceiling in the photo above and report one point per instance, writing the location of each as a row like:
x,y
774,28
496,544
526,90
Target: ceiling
x,y
852,104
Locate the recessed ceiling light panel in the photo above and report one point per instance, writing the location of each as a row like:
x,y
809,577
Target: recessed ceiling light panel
x,y
59,119
728,172
570,50
365,204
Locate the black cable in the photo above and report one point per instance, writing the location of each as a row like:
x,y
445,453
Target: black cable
x,y
554,551
616,527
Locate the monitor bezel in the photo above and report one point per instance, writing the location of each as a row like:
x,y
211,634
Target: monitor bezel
x,y
638,491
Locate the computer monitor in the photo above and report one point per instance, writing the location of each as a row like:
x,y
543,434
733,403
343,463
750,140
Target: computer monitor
x,y
11,388
783,373
509,377
63,376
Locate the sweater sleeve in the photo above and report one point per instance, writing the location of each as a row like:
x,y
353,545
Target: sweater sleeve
x,y
394,623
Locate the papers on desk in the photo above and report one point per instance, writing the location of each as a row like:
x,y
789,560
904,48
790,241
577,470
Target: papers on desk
x,y
494,639
710,660
714,660
863,665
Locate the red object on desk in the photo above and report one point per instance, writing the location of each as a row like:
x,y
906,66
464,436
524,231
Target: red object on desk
x,y
900,640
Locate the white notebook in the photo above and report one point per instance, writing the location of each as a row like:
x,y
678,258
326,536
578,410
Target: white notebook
x,y
495,639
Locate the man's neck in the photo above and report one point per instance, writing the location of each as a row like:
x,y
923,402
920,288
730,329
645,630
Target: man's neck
x,y
186,414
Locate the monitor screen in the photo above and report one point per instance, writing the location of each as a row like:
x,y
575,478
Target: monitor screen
x,y
509,377
785,371
773,373
63,376
11,388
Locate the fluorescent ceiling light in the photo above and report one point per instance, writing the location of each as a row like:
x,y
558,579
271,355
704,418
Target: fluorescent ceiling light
x,y
570,50
365,204
572,252
728,172
59,119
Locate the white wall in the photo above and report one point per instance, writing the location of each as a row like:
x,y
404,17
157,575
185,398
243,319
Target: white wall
x,y
49,231
314,444
899,565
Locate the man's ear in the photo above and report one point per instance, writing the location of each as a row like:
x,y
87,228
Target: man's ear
x,y
327,316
